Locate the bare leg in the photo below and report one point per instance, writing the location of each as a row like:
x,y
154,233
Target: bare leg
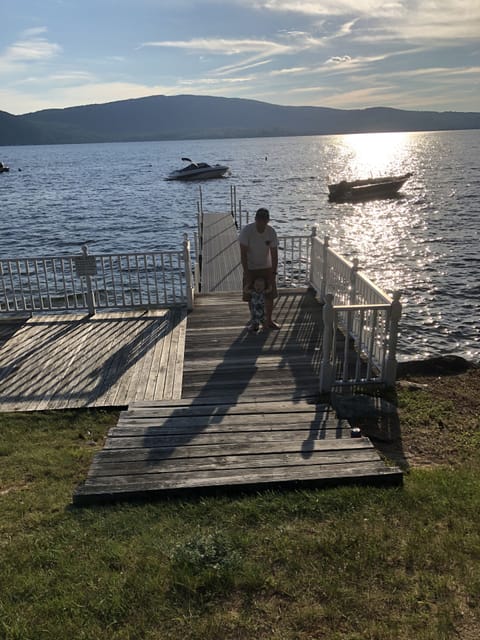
x,y
269,323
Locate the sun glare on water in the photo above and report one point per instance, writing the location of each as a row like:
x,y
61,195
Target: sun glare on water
x,y
377,229
366,155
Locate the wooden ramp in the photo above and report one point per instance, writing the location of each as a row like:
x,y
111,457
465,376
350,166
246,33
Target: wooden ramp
x,y
191,446
221,267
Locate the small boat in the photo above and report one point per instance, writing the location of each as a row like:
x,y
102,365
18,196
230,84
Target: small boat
x,y
386,187
198,171
3,167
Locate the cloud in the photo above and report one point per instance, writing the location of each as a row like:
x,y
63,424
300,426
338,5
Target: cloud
x,y
32,48
223,46
418,20
338,60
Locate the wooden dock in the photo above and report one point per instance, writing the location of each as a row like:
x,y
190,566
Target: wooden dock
x,y
191,446
61,361
249,416
221,268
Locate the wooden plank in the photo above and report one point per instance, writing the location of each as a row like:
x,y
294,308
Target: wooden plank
x,y
232,447
212,423
199,439
247,463
203,406
119,487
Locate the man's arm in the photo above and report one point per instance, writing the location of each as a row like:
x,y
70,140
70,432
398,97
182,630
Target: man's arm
x,y
244,257
246,272
274,254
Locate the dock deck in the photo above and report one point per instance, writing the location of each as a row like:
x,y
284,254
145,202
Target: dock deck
x,y
249,416
62,361
221,268
207,406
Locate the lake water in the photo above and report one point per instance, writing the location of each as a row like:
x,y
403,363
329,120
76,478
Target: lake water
x,y
425,243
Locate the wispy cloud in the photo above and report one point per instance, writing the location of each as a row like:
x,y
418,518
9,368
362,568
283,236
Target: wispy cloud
x,y
31,48
223,46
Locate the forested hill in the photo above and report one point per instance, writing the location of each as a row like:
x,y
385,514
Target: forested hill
x,y
191,117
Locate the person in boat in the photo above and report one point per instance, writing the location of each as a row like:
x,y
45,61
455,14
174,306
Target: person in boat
x,y
257,292
259,256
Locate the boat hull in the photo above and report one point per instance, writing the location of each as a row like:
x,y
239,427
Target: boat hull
x,y
201,173
367,189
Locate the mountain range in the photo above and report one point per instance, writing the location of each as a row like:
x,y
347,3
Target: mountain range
x,y
186,117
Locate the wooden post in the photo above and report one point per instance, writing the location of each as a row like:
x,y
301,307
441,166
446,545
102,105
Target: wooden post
x,y
326,367
323,289
188,271
390,374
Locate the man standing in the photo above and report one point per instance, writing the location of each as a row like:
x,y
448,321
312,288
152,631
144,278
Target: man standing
x,y
259,256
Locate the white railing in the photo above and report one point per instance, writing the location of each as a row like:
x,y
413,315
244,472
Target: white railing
x,y
86,281
293,261
354,308
363,316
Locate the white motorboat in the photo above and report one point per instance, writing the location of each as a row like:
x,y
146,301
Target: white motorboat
x,y
198,171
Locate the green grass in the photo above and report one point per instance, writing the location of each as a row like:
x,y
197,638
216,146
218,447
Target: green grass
x,y
347,563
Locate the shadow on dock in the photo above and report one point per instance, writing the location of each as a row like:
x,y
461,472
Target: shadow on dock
x,y
249,416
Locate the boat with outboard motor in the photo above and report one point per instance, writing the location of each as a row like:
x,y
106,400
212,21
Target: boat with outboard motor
x,y
369,188
4,168
198,171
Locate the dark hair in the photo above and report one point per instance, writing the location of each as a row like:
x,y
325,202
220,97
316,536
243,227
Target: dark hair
x,y
263,213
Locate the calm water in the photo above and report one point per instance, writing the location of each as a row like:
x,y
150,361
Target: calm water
x,y
426,243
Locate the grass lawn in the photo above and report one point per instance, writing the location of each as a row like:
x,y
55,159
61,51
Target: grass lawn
x,y
350,563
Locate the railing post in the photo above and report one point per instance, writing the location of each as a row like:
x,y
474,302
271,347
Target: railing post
x,y
197,263
239,223
353,281
391,364
323,289
88,280
312,239
326,367
188,271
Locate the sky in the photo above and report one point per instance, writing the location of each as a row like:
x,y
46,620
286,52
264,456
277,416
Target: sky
x,y
346,54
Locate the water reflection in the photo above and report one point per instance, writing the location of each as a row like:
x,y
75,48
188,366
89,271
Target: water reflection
x,y
367,155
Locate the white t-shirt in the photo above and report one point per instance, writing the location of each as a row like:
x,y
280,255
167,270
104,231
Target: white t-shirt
x,y
259,245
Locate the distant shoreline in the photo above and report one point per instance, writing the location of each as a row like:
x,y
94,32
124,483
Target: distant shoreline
x,y
188,117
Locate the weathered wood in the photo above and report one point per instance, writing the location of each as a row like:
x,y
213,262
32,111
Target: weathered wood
x,y
148,487
175,447
248,415
221,268
230,448
58,361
